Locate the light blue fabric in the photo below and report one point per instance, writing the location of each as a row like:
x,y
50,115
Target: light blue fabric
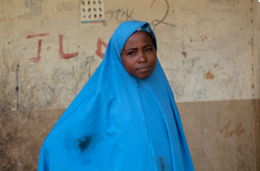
x,y
118,122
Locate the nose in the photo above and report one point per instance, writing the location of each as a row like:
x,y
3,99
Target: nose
x,y
142,57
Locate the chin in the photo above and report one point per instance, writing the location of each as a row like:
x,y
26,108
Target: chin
x,y
143,76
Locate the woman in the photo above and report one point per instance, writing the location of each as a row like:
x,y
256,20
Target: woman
x,y
125,118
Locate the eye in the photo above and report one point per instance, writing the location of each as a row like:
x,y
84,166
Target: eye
x,y
131,53
149,49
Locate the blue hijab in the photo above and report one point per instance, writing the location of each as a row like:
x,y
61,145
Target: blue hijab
x,y
118,122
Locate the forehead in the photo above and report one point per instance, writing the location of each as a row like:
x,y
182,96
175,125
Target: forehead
x,y
139,37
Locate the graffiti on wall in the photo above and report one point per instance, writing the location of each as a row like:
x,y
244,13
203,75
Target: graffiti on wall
x,y
63,55
39,47
157,21
120,14
125,14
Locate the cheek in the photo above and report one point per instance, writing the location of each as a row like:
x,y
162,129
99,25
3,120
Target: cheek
x,y
128,64
153,59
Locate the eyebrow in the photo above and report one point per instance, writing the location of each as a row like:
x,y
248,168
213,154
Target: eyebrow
x,y
134,48
131,49
148,45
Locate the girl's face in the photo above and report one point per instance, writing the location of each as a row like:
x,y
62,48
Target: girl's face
x,y
139,55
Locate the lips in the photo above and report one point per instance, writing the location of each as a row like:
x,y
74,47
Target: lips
x,y
144,69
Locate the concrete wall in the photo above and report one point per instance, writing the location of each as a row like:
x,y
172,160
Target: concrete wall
x,y
208,48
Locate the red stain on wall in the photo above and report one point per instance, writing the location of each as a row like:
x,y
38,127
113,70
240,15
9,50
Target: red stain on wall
x,y
100,43
61,51
209,76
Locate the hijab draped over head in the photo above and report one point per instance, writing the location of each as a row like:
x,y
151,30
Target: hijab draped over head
x,y
118,122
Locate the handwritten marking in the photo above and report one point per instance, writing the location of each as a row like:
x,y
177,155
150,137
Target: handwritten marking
x,y
62,53
228,131
37,35
157,22
120,14
38,56
238,130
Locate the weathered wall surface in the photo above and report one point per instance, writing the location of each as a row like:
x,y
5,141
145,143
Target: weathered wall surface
x,y
208,48
220,134
257,81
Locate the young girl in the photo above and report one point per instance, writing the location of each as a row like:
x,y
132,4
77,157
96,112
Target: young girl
x,y
125,118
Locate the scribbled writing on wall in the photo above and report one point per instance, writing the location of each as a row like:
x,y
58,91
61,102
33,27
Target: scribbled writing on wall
x,y
120,15
125,14
229,129
156,22
62,54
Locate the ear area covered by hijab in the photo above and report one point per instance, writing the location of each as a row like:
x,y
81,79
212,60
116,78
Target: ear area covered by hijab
x,y
118,122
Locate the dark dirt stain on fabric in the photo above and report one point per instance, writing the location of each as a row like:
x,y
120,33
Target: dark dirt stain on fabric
x,y
84,143
162,165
